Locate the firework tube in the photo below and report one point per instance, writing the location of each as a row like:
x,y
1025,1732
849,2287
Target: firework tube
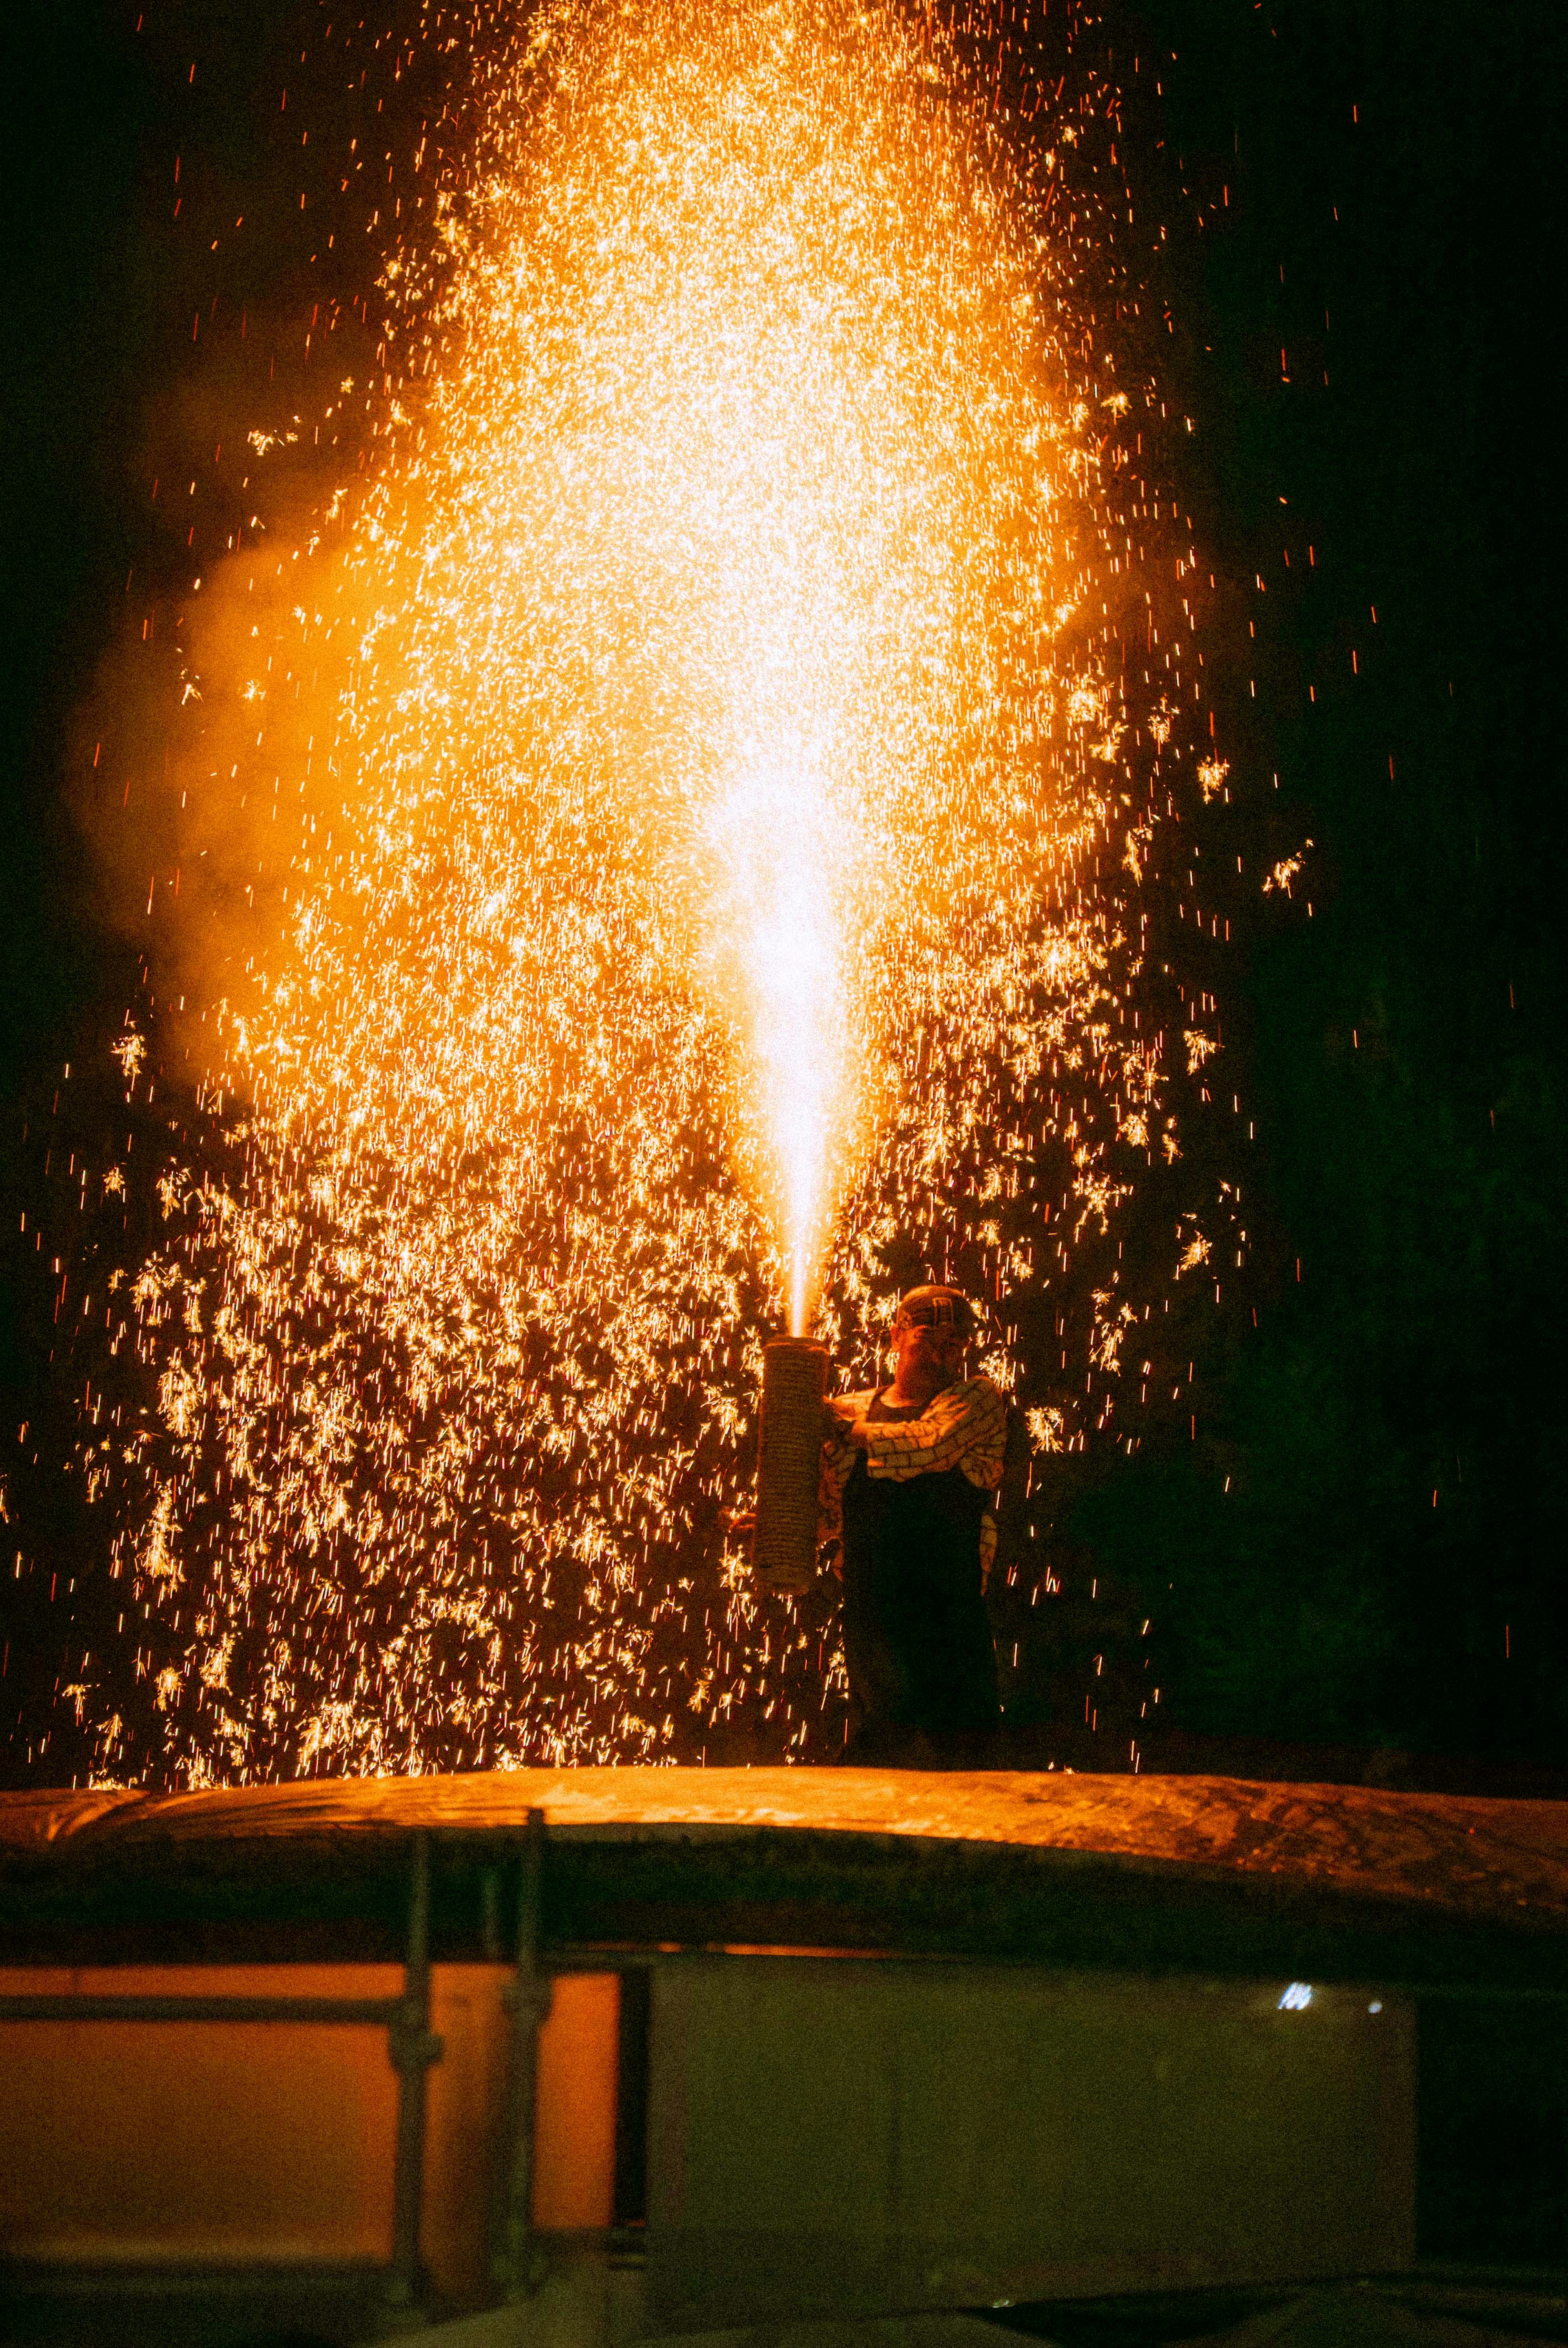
x,y
789,1462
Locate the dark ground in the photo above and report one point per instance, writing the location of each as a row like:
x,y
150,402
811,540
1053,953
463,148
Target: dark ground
x,y
1363,1546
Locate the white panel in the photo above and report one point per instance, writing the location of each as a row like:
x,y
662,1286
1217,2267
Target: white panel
x,y
833,2136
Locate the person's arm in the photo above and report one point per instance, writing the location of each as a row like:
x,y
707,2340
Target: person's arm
x,y
838,1456
965,1426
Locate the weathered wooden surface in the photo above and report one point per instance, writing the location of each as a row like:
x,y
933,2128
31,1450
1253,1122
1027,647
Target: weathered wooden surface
x,y
1057,1867
1480,1855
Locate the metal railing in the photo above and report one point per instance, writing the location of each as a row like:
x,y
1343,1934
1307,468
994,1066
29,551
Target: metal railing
x,y
412,2048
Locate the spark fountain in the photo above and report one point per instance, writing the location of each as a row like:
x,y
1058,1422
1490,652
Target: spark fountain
x,y
680,844
645,852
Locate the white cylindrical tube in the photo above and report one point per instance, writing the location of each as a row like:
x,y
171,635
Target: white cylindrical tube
x,y
789,1463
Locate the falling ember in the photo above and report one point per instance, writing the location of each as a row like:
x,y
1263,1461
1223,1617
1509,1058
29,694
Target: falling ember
x,y
689,751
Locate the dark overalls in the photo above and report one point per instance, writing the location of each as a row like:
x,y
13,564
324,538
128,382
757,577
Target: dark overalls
x,y
916,1640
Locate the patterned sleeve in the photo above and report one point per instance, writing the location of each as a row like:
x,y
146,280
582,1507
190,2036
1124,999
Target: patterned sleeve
x,y
838,1459
965,1426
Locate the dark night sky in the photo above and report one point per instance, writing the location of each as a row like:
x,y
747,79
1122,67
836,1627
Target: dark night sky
x,y
1366,1543
1406,1048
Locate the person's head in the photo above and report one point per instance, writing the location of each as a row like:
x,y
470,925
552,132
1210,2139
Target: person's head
x,y
931,1329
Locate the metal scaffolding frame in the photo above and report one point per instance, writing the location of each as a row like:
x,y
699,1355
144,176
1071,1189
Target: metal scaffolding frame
x,y
412,2048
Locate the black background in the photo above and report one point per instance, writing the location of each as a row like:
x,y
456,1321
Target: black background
x,y
1388,1563
1364,1542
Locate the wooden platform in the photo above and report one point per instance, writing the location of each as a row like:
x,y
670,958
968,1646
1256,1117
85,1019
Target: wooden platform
x,y
1218,1875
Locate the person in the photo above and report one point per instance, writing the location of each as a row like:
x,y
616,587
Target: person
x,y
908,1473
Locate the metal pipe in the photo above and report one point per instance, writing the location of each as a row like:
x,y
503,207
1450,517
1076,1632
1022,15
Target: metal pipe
x,y
412,2048
527,1999
384,2011
789,1464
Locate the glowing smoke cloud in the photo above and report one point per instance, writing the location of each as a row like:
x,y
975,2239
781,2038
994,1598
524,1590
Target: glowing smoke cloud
x,y
699,748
